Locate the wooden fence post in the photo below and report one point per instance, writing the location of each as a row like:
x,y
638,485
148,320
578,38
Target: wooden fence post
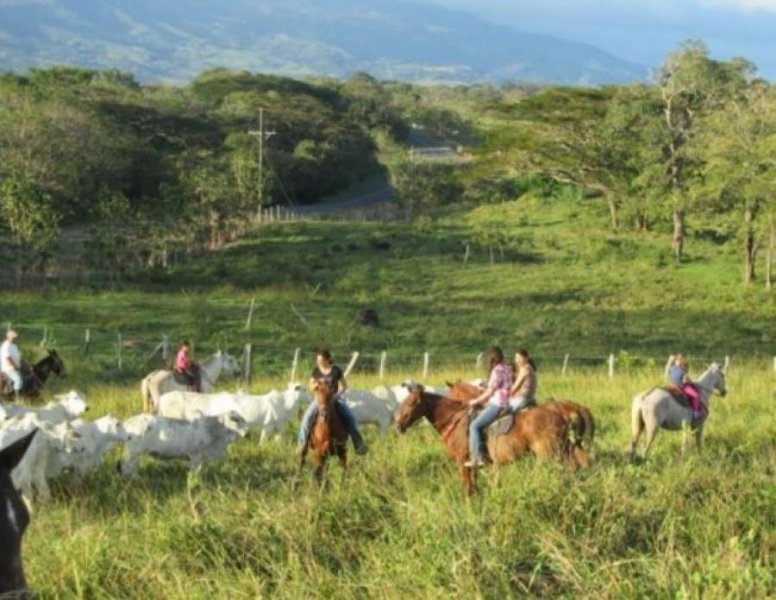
x,y
165,348
250,315
295,364
119,347
87,341
726,366
383,359
774,363
425,364
565,365
247,364
466,255
611,366
351,364
478,361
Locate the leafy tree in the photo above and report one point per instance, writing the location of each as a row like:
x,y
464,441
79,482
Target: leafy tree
x,y
28,213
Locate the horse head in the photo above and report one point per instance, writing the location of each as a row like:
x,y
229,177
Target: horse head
x,y
718,383
324,394
14,519
411,408
56,364
229,364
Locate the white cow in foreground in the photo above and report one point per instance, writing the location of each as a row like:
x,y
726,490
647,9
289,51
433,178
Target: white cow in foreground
x,y
67,407
51,441
199,440
270,411
96,440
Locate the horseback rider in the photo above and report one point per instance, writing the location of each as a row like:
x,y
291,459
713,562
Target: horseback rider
x,y
678,375
326,370
11,362
185,367
523,392
496,395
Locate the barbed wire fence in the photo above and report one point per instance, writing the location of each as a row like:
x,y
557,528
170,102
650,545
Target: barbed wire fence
x,y
123,354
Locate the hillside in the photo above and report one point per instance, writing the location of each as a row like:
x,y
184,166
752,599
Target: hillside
x,y
394,40
564,285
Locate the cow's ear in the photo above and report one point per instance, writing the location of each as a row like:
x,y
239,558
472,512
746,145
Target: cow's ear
x,y
10,456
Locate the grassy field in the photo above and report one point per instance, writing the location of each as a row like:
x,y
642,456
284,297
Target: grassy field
x,y
559,282
692,526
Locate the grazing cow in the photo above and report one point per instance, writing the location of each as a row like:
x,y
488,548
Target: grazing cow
x,y
96,439
30,474
67,407
199,440
14,518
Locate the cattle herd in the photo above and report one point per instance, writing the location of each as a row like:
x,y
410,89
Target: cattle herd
x,y
184,425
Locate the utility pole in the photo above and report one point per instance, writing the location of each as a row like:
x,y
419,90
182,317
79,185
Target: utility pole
x,y
261,135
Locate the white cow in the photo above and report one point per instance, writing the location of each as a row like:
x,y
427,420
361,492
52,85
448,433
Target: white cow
x,y
402,390
199,440
67,407
96,440
369,407
270,411
52,439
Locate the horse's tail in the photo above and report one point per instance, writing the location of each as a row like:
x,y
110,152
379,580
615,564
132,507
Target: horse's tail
x,y
637,414
577,432
589,432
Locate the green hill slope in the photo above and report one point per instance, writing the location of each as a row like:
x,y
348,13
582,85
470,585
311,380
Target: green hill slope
x,y
558,283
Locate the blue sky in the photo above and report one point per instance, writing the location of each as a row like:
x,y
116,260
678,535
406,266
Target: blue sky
x,y
644,31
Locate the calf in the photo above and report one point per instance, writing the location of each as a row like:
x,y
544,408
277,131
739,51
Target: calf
x,y
199,440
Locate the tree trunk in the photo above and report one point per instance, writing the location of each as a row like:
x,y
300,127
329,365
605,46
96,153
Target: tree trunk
x,y
769,253
750,246
678,243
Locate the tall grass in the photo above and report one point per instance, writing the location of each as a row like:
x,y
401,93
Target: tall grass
x,y
683,525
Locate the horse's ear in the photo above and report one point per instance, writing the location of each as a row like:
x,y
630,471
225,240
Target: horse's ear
x,y
11,455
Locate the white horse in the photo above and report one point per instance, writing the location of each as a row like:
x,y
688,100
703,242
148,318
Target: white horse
x,y
657,409
162,380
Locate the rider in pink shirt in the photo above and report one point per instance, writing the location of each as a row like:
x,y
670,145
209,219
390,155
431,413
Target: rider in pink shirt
x,y
185,367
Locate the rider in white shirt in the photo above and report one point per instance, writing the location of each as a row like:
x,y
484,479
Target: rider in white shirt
x,y
11,360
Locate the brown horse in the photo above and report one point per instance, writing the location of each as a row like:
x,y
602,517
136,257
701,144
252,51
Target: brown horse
x,y
328,436
543,433
579,419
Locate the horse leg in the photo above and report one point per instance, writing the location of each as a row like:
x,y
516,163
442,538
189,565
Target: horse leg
x,y
468,481
637,427
651,431
698,437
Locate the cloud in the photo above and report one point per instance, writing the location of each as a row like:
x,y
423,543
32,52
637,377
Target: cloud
x,y
743,5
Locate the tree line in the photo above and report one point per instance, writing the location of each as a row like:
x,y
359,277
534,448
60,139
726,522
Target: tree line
x,y
697,142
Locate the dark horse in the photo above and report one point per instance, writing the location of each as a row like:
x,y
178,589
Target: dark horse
x,y
578,417
14,519
328,436
543,433
34,377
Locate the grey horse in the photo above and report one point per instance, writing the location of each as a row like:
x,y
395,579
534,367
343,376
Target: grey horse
x,y
657,408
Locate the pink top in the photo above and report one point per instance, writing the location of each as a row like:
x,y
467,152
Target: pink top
x,y
500,381
182,361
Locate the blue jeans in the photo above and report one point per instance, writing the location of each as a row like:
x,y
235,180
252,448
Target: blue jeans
x,y
476,427
345,413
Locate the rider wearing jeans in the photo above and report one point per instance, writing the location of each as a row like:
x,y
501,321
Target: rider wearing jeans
x,y
335,378
497,397
11,360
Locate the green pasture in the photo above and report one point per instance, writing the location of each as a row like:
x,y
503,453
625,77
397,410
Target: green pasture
x,y
544,273
541,273
682,525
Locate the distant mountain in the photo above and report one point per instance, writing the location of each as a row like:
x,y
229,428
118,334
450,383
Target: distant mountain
x,y
177,39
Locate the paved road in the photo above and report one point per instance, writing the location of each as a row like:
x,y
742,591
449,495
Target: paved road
x,y
422,147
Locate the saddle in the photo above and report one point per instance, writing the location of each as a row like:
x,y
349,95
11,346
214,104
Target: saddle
x,y
502,425
678,395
